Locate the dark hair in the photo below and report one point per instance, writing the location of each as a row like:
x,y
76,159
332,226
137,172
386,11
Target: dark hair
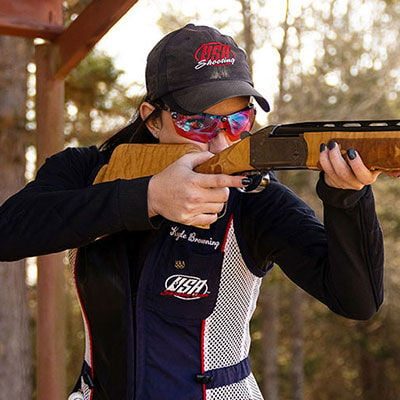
x,y
135,132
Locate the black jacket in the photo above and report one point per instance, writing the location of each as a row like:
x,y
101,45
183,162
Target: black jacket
x,y
340,263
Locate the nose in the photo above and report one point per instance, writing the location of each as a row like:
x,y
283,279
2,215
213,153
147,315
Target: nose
x,y
219,142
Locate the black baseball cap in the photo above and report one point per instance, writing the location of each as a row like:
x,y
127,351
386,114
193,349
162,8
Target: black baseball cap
x,y
195,67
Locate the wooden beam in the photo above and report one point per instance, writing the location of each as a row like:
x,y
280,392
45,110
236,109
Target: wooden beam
x,y
26,27
84,32
31,18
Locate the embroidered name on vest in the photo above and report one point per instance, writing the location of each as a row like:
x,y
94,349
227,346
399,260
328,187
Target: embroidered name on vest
x,y
192,237
185,287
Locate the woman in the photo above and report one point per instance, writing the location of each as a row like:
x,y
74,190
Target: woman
x,y
167,304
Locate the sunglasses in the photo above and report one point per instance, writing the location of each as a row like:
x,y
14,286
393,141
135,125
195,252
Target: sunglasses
x,y
204,127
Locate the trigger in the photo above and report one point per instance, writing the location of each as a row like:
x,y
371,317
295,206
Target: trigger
x,y
259,182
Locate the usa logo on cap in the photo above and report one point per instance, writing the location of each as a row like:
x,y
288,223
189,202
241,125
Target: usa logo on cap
x,y
214,53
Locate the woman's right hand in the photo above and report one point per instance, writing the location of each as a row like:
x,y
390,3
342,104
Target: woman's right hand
x,y
184,196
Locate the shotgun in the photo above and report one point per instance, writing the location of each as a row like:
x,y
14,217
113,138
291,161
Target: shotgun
x,y
286,146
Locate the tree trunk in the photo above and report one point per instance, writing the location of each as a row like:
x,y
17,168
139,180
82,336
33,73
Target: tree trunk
x,y
15,341
248,36
297,376
270,330
372,368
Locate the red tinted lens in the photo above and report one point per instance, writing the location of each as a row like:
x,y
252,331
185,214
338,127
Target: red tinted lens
x,y
240,122
199,127
204,127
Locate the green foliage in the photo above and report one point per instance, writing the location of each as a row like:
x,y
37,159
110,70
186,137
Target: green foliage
x,y
97,103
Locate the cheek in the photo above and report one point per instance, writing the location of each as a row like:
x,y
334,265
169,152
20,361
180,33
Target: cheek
x,y
168,134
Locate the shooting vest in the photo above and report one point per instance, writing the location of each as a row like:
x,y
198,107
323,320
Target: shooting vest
x,y
184,335
179,328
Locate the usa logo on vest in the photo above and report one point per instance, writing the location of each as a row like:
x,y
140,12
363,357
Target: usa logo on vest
x,y
185,287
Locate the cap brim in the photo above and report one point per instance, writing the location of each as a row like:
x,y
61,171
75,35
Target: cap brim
x,y
196,99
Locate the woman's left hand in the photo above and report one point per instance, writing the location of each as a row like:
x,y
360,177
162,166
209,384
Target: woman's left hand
x,y
345,172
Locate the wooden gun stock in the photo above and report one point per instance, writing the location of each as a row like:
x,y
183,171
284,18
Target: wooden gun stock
x,y
291,146
297,146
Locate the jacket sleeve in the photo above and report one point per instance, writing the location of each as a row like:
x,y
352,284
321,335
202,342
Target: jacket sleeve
x,y
340,263
61,209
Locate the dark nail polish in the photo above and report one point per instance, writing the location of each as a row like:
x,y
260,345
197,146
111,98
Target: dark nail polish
x,y
351,154
246,181
322,147
331,144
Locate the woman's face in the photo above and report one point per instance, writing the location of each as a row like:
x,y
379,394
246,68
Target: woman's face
x,y
165,131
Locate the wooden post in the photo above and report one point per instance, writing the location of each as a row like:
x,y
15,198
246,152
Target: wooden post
x,y
51,357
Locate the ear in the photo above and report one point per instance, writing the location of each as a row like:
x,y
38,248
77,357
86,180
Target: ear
x,y
153,124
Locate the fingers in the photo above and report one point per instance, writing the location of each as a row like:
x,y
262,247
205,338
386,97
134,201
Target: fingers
x,y
200,220
191,205
199,213
219,180
345,171
182,195
192,160
360,171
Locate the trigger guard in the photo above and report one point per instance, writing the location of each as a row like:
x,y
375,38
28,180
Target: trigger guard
x,y
259,181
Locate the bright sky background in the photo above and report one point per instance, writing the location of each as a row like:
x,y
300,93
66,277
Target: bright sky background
x,y
132,38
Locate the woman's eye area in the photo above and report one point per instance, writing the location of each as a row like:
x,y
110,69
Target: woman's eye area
x,y
197,123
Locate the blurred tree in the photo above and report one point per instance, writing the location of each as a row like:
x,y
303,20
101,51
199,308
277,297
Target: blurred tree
x,y
72,8
341,63
15,340
97,104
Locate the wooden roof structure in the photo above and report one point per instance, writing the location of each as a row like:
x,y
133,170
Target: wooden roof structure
x,y
44,19
63,48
